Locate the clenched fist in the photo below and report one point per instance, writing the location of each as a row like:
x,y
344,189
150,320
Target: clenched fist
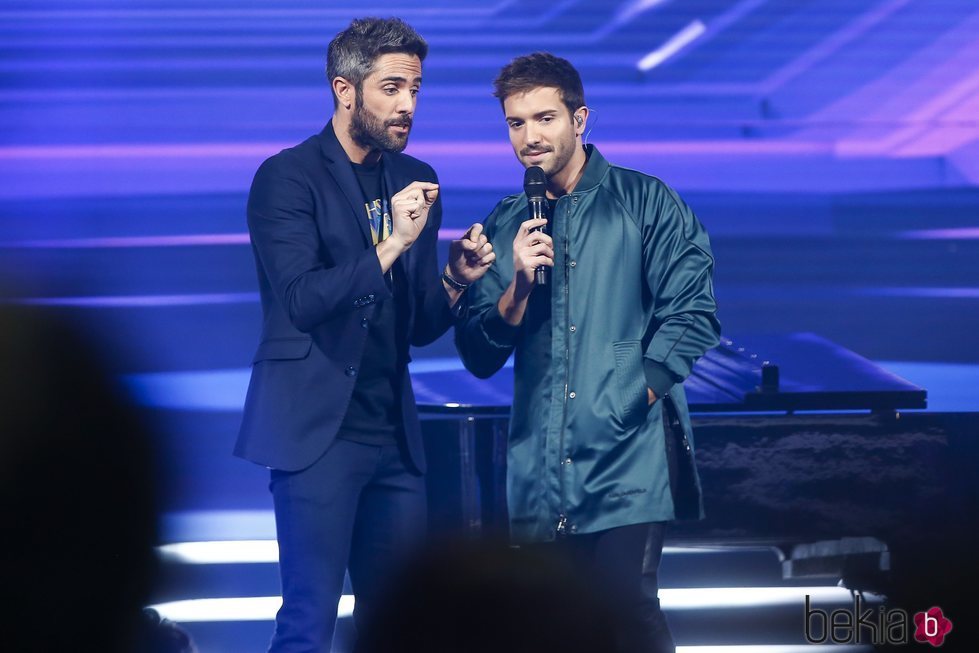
x,y
409,210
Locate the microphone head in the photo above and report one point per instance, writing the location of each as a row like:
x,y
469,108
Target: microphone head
x,y
534,182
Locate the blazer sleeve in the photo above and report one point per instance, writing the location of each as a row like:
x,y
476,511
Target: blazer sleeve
x,y
282,227
433,316
483,338
679,270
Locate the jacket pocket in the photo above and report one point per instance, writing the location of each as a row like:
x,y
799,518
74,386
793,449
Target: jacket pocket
x,y
283,349
633,399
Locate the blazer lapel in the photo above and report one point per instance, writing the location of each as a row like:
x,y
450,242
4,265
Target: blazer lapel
x,y
338,165
393,183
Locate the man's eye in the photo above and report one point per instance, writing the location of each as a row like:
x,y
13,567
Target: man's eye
x,y
414,91
514,124
390,90
547,119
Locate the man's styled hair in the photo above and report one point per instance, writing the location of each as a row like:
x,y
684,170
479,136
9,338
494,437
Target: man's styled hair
x,y
537,70
353,52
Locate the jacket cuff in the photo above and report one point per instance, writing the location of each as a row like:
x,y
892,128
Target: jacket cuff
x,y
460,311
659,379
499,332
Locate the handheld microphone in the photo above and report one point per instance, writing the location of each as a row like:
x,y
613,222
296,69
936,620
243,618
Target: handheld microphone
x,y
535,185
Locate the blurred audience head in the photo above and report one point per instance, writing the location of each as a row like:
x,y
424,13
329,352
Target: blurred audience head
x,y
487,597
159,635
77,493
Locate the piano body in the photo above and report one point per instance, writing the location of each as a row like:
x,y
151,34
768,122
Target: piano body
x,y
802,445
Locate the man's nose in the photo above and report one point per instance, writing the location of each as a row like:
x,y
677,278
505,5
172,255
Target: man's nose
x,y
406,102
531,134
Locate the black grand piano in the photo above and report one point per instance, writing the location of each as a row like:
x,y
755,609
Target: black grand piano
x,y
802,445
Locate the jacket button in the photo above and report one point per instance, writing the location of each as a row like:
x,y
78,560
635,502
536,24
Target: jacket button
x,y
567,461
573,328
572,394
364,323
350,371
574,263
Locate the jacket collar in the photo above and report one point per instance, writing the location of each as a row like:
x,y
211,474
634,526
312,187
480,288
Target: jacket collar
x,y
335,154
595,170
338,165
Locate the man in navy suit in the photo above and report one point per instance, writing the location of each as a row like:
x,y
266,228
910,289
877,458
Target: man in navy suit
x,y
344,230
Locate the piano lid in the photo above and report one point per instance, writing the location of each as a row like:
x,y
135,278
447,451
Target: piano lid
x,y
800,371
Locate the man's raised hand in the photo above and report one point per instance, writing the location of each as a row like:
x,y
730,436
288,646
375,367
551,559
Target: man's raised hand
x,y
470,256
531,250
409,210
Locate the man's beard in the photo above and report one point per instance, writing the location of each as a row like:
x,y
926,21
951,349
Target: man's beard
x,y
561,156
559,159
369,132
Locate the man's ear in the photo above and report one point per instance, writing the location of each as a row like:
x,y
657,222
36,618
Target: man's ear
x,y
344,92
580,118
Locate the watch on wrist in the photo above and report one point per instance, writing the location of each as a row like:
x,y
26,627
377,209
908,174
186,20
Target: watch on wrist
x,y
452,283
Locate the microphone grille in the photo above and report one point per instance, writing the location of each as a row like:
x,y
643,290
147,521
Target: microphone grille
x,y
534,182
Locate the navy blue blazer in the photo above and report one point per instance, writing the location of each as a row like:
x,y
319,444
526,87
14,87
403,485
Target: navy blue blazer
x,y
319,281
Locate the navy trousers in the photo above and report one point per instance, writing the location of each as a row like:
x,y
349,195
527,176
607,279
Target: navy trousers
x,y
358,507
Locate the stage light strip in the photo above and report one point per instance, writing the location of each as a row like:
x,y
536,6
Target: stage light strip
x,y
961,233
704,33
709,598
263,608
923,292
154,14
143,153
674,44
221,552
253,608
128,301
114,242
187,240
267,551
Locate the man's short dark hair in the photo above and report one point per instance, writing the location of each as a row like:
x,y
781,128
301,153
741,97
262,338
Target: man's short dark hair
x,y
353,52
537,70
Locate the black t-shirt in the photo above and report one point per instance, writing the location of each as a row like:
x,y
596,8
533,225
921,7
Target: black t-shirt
x,y
374,415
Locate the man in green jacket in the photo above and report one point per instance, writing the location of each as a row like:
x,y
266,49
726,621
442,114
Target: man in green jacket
x,y
600,445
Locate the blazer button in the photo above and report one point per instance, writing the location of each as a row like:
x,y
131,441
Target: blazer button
x,y
350,371
364,323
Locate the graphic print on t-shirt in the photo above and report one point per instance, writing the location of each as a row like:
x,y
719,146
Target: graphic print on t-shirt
x,y
379,219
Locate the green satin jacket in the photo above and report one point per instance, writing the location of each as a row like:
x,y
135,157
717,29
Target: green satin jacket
x,y
630,304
